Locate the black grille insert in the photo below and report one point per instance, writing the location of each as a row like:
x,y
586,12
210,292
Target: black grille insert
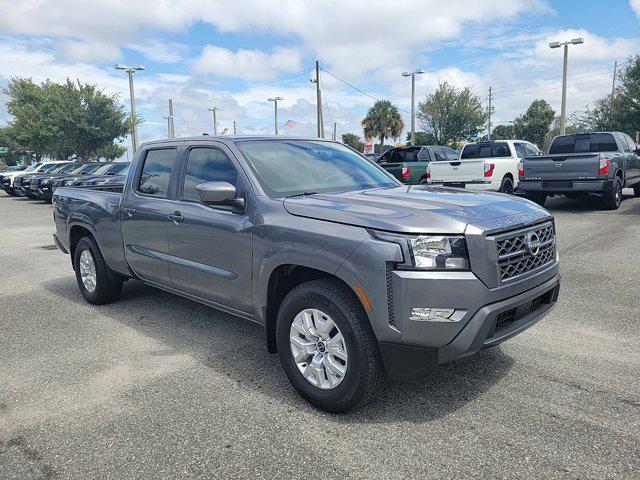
x,y
525,250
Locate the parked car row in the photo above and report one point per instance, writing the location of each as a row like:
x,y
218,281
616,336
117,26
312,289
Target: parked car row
x,y
597,163
41,179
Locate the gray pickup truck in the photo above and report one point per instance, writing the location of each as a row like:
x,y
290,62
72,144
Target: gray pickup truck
x,y
353,276
597,163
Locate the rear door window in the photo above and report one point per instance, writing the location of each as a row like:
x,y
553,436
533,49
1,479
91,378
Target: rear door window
x,y
408,154
584,142
156,172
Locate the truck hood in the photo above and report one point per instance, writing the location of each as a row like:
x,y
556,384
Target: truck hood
x,y
411,209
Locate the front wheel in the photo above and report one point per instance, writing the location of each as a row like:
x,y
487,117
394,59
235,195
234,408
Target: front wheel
x,y
327,348
97,283
613,198
538,197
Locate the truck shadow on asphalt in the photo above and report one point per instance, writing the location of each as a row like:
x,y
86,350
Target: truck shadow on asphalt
x,y
235,348
592,204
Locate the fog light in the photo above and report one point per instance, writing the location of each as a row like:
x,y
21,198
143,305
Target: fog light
x,y
456,263
433,315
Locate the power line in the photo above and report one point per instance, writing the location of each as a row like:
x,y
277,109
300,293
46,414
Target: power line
x,y
356,88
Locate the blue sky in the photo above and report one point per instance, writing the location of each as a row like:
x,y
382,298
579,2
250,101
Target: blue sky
x,y
235,55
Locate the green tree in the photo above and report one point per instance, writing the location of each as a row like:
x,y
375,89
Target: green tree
x,y
451,115
64,120
534,124
422,138
353,140
503,132
619,111
382,121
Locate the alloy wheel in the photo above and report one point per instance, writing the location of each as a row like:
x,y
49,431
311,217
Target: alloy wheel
x,y
88,271
318,348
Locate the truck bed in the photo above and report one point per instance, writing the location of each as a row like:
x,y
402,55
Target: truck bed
x,y
97,211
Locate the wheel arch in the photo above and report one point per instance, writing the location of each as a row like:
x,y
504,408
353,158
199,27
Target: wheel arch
x,y
284,278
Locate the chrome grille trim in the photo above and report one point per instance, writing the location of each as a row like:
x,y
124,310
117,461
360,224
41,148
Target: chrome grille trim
x,y
515,260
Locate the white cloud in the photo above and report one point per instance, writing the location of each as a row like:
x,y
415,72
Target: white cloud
x,y
91,51
594,48
354,36
635,6
161,51
250,64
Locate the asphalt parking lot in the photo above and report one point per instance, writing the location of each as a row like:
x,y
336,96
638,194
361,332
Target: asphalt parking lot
x,y
156,386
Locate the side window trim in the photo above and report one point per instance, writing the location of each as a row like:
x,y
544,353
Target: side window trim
x,y
138,174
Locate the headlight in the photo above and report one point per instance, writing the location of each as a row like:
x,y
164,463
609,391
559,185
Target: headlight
x,y
429,252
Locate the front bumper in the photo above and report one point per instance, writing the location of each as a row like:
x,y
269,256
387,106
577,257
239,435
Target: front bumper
x,y
489,326
552,186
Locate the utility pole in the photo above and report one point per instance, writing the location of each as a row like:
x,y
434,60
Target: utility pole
x,y
335,125
413,102
172,132
563,107
215,123
234,127
490,111
134,119
319,101
615,72
275,107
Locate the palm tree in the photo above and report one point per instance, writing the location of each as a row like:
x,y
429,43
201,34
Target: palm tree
x,y
383,121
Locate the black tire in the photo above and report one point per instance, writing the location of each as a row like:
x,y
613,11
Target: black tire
x,y
636,190
506,186
12,193
538,197
108,285
424,181
365,375
612,199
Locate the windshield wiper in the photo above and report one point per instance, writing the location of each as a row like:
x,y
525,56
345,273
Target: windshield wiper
x,y
301,194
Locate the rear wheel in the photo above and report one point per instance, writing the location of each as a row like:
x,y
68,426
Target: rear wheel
x,y
327,348
613,198
506,186
538,197
97,283
636,190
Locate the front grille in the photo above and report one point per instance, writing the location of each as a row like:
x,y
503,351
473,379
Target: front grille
x,y
522,252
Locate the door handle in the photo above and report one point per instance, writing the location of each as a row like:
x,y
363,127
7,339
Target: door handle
x,y
175,217
129,210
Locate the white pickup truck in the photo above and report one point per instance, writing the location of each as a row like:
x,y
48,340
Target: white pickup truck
x,y
484,166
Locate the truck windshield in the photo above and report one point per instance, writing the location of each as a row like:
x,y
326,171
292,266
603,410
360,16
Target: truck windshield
x,y
584,142
485,150
289,167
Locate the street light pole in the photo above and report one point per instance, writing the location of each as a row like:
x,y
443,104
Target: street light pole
x,y
275,111
215,123
413,102
563,106
134,120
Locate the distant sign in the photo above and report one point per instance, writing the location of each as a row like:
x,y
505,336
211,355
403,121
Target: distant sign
x,y
473,136
368,145
4,150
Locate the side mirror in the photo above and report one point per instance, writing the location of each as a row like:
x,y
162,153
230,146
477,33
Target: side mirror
x,y
219,193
